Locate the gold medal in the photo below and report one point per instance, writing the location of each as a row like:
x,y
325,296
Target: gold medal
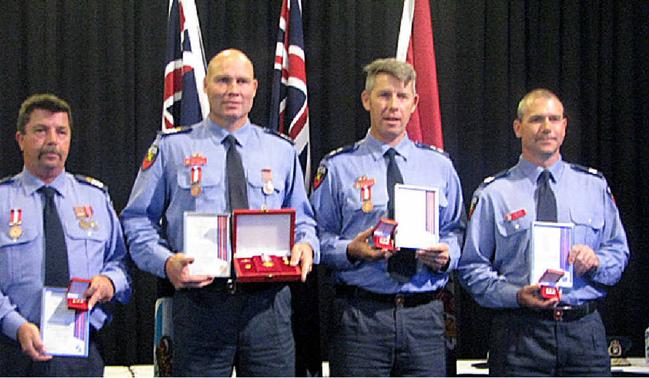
x,y
84,224
15,232
365,185
267,261
196,190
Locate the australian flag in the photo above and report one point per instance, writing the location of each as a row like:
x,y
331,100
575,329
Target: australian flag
x,y
184,101
289,110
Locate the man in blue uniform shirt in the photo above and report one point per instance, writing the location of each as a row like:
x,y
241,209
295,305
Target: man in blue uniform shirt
x,y
214,327
532,334
383,325
88,229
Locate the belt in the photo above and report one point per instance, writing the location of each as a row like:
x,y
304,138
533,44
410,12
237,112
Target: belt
x,y
565,313
398,300
230,286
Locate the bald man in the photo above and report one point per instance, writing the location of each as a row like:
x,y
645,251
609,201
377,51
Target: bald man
x,y
218,326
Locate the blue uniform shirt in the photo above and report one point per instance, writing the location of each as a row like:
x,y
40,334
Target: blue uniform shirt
x,y
163,190
337,205
90,251
495,260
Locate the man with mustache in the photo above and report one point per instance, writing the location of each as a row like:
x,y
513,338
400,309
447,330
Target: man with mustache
x,y
532,333
53,226
218,325
388,314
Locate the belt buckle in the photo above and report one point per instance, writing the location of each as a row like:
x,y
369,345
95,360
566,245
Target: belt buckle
x,y
231,286
558,314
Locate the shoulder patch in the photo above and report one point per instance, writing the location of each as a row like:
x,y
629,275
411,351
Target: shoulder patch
x,y
278,134
6,180
490,179
151,155
431,148
591,171
320,175
91,181
341,150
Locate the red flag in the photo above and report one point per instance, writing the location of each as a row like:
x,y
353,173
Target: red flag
x,y
417,34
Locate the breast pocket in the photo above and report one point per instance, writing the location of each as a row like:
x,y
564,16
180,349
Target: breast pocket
x,y
589,223
271,190
513,234
87,246
20,259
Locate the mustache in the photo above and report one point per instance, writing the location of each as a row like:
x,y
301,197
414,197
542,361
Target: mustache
x,y
48,150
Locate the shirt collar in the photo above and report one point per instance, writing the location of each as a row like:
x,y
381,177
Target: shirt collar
x,y
32,183
242,134
377,148
532,171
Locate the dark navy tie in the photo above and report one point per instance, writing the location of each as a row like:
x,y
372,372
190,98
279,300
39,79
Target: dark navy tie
x,y
237,190
402,265
56,252
546,203
393,177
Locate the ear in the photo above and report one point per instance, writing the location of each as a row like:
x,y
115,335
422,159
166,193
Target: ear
x,y
205,83
255,84
415,102
20,138
517,125
365,98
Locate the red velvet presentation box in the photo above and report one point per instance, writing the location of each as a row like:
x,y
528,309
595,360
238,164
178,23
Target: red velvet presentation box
x,y
76,288
262,242
383,234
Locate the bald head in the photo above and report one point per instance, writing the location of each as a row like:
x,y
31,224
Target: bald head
x,y
231,87
230,55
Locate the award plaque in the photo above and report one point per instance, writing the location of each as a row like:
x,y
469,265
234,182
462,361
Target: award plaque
x,y
551,243
262,242
416,210
206,239
65,332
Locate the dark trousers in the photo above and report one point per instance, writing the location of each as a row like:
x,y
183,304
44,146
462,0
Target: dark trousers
x,y
250,330
524,345
372,338
14,363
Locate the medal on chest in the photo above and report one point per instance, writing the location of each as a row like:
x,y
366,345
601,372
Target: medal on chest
x,y
365,185
85,216
15,220
195,164
267,179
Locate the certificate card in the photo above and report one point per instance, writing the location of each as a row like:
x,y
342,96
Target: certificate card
x,y
207,241
551,243
416,210
65,332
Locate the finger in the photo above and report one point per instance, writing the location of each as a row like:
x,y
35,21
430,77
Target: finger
x,y
365,234
296,256
202,283
96,297
307,265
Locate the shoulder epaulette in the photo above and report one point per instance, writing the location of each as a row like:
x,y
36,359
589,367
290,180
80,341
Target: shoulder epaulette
x,y
492,178
278,134
175,130
91,181
431,148
591,171
341,150
6,180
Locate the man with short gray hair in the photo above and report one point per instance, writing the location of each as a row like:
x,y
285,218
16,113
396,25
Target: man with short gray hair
x,y
388,316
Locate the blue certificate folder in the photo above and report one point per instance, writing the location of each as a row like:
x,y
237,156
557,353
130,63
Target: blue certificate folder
x,y
65,332
551,243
